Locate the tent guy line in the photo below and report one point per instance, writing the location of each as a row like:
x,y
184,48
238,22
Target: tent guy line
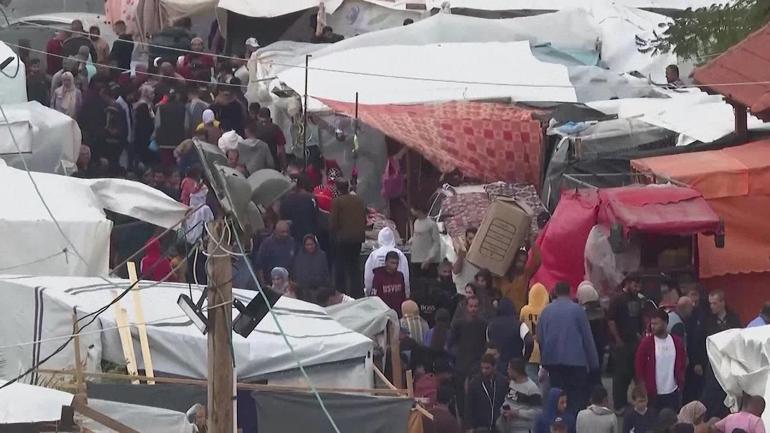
x,y
399,77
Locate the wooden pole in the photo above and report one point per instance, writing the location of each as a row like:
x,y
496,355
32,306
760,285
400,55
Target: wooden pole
x,y
121,318
220,363
79,379
247,386
144,340
395,354
409,384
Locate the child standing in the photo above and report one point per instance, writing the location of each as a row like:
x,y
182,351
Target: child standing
x,y
639,418
388,283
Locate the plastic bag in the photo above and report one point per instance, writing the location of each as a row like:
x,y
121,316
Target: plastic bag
x,y
392,180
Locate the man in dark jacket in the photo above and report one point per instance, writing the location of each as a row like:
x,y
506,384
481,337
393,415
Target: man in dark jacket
x,y
720,319
300,208
486,394
123,47
506,332
347,227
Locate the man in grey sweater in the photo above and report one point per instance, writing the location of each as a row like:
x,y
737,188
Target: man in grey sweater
x,y
597,418
523,402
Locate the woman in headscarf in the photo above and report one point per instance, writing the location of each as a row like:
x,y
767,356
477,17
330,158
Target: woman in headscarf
x,y
67,98
154,265
311,269
411,320
144,122
693,413
280,277
209,129
555,409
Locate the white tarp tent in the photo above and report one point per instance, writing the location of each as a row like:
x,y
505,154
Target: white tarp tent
x,y
24,404
49,140
21,403
13,79
741,362
433,73
33,245
334,355
694,114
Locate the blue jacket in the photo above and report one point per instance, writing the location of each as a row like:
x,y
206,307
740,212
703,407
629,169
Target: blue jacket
x,y
504,332
550,414
565,336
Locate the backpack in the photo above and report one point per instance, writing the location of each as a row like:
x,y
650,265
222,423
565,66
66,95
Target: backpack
x,y
392,180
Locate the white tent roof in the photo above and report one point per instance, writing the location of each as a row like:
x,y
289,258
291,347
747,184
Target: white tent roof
x,y
13,80
49,140
740,359
437,72
22,403
43,309
32,243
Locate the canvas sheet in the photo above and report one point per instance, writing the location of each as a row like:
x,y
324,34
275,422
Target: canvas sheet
x,y
44,311
429,73
741,362
32,244
141,418
351,413
48,140
13,86
484,141
22,403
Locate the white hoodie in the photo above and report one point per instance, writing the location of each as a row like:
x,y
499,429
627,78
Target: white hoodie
x,y
387,242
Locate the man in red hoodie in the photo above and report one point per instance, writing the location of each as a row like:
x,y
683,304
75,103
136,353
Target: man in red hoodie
x,y
388,283
660,364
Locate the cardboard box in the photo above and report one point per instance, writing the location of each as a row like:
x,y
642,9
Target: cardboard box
x,y
503,231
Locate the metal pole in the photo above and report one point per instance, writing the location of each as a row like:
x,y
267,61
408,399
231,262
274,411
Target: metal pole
x,y
355,125
304,114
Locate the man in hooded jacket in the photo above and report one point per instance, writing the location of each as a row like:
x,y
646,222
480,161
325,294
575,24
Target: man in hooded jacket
x,y
538,299
509,335
387,242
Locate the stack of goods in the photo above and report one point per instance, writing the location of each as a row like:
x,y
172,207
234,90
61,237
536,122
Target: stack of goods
x,y
521,192
463,211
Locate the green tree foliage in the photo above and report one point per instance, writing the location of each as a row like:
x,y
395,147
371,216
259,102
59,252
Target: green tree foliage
x,y
703,33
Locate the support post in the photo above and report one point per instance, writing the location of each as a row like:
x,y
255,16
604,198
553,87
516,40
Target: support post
x,y
304,114
220,364
79,379
144,340
395,354
741,122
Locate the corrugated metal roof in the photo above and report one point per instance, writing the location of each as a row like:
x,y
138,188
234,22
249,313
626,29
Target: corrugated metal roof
x,y
746,62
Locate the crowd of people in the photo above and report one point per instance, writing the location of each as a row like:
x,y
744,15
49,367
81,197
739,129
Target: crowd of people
x,y
489,353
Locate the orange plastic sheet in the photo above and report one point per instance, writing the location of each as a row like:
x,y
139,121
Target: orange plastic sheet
x,y
736,183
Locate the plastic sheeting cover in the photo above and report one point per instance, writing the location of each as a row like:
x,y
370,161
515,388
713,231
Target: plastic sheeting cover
x,y
368,316
507,69
141,418
741,362
22,403
48,139
43,308
13,80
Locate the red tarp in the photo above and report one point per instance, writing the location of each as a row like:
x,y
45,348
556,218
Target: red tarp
x,y
658,209
486,141
651,209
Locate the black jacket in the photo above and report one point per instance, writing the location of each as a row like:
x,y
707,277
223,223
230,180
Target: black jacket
x,y
484,400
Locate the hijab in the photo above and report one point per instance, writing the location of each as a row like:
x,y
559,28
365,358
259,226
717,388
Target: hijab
x,y
146,97
551,414
311,270
691,412
208,116
66,94
154,265
280,272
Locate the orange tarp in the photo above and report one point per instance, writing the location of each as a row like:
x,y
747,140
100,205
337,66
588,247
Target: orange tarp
x,y
736,183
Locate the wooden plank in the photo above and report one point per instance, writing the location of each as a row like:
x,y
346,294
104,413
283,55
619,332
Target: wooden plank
x,y
79,380
409,384
382,377
144,340
394,332
121,318
101,418
246,386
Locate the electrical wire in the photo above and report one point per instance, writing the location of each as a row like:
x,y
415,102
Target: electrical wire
x,y
117,68
424,79
286,339
34,262
94,315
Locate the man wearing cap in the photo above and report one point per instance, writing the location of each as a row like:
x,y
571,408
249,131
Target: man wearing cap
x,y
242,73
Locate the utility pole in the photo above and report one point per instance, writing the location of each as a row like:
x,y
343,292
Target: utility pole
x,y
220,372
304,114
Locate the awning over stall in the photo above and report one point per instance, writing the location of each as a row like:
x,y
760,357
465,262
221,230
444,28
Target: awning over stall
x,y
659,209
486,141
